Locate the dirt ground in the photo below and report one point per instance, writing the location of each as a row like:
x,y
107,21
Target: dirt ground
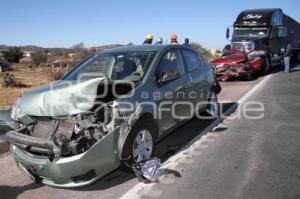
x,y
30,79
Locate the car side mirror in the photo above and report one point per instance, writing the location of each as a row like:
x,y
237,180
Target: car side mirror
x,y
227,33
167,76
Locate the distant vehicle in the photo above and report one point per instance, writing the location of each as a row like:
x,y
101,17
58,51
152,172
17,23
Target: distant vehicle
x,y
72,132
236,63
267,32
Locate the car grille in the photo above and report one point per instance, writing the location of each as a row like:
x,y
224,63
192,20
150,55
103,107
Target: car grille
x,y
42,129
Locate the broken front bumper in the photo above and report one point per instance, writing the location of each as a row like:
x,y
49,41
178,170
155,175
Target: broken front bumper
x,y
232,71
75,171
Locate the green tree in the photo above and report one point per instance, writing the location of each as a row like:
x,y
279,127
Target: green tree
x,y
9,80
198,47
13,55
39,57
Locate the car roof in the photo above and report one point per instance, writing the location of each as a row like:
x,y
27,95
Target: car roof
x,y
147,47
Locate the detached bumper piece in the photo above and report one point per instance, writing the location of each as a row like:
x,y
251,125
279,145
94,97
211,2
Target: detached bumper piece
x,y
30,143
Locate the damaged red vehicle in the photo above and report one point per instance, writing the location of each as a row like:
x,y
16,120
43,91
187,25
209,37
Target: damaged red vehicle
x,y
237,63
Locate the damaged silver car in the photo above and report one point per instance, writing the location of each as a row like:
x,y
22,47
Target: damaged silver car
x,y
108,112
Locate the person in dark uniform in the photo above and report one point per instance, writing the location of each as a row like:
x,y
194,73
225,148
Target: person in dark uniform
x,y
186,41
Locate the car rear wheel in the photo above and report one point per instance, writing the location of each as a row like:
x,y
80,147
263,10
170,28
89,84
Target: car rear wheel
x,y
139,145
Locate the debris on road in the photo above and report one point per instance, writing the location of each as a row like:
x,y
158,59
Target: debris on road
x,y
150,171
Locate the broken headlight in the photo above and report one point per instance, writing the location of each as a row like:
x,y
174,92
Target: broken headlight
x,y
253,55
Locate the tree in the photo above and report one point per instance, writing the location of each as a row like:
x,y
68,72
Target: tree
x,y
80,51
78,46
206,54
13,55
39,57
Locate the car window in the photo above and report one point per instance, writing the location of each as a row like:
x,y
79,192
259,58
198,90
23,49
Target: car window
x,y
192,60
171,61
117,66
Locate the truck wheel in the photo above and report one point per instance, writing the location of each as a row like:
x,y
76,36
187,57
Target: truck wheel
x,y
139,145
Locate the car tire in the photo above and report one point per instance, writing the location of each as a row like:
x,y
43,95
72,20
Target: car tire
x,y
212,111
249,76
136,149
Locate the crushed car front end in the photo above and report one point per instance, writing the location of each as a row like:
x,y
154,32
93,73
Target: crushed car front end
x,y
70,147
237,64
67,172
66,152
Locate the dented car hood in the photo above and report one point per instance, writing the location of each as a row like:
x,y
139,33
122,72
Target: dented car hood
x,y
61,98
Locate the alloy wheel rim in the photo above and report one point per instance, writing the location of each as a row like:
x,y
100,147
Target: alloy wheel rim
x,y
142,146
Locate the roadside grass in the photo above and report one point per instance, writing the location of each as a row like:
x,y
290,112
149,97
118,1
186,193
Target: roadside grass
x,y
29,79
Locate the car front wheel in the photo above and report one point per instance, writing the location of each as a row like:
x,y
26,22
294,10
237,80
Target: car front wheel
x,y
139,145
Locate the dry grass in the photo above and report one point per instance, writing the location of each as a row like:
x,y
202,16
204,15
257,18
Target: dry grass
x,y
31,78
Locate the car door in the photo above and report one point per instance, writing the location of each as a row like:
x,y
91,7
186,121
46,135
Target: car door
x,y
172,106
196,69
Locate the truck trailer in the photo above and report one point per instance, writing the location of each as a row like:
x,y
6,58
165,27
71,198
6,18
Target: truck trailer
x,y
266,31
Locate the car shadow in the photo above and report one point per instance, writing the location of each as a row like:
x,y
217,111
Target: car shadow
x,y
167,147
185,134
112,179
10,192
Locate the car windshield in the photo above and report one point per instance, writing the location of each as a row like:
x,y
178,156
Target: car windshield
x,y
244,33
117,66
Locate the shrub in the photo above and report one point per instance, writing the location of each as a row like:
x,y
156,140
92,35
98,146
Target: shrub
x,y
39,57
9,80
12,55
206,54
54,75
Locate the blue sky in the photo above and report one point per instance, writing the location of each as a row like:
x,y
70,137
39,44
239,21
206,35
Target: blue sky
x,y
62,23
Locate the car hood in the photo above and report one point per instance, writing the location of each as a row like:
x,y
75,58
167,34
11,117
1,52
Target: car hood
x,y
61,98
227,60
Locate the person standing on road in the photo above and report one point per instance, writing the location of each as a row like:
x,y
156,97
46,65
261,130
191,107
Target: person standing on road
x,y
149,39
174,39
186,42
159,41
287,57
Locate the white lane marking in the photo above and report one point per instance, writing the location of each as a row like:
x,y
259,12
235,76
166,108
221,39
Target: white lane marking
x,y
253,90
141,189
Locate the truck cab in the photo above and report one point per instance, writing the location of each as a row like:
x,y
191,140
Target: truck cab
x,y
261,30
